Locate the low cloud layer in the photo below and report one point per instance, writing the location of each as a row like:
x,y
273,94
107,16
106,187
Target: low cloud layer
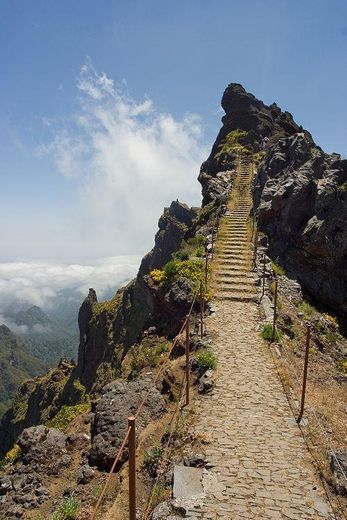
x,y
128,160
39,283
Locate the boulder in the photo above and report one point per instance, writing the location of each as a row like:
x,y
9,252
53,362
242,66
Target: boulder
x,y
206,382
119,401
85,474
43,449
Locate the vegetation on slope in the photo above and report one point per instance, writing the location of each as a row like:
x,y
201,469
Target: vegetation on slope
x,y
16,365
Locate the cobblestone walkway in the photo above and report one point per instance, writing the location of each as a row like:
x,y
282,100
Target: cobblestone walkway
x,y
260,467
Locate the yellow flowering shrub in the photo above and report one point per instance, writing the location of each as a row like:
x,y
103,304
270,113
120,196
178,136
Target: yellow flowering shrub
x,y
331,319
13,454
157,275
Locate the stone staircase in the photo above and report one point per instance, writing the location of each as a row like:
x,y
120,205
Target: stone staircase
x,y
232,276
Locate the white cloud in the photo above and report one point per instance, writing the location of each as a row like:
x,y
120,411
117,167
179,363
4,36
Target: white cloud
x,y
129,160
39,283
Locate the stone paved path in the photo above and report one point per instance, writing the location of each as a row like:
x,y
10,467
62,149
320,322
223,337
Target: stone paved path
x,y
259,466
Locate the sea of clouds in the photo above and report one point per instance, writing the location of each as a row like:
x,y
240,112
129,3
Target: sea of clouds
x,y
40,283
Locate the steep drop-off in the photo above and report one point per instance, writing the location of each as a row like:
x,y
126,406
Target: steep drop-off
x,y
299,198
16,365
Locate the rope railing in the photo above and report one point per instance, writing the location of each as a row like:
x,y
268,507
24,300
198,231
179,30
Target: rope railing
x,y
129,437
138,412
301,382
164,457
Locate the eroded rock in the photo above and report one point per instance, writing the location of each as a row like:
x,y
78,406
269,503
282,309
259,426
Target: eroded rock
x,y
119,401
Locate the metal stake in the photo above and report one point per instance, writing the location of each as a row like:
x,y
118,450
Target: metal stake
x,y
201,312
132,468
212,243
275,313
264,261
187,362
206,267
308,336
255,248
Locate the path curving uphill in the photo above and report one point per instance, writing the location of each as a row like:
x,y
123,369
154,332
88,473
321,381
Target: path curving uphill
x,y
259,467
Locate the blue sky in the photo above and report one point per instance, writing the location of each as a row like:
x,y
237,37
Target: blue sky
x,y
75,163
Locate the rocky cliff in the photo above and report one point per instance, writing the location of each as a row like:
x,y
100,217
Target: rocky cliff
x,y
299,192
16,365
299,195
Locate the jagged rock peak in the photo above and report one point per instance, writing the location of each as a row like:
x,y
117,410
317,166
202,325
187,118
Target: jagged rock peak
x,y
262,126
4,331
84,315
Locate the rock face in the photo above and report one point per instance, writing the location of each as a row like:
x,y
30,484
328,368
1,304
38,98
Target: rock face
x,y
263,123
300,194
84,316
107,334
16,365
43,454
119,401
36,401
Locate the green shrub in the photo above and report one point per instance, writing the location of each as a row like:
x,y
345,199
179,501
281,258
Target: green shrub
x,y
278,269
159,495
191,269
206,360
154,454
66,415
342,188
181,255
267,333
143,355
232,144
67,509
306,309
258,157
343,366
330,337
191,248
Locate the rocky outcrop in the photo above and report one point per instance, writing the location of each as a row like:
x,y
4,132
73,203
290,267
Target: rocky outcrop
x,y
264,126
107,331
38,400
119,401
300,196
84,317
43,454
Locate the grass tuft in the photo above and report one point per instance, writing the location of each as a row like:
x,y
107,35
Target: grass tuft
x,y
267,333
206,360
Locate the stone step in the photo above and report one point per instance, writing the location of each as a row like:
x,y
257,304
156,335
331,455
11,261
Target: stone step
x,y
230,252
233,271
228,255
238,240
228,242
236,277
239,288
236,297
229,269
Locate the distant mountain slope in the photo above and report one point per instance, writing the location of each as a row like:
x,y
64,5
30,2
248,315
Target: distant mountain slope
x,y
45,337
16,365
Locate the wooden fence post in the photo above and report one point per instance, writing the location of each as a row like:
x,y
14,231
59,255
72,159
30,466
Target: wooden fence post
x,y
303,393
201,312
255,248
206,267
187,362
275,313
132,468
264,263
